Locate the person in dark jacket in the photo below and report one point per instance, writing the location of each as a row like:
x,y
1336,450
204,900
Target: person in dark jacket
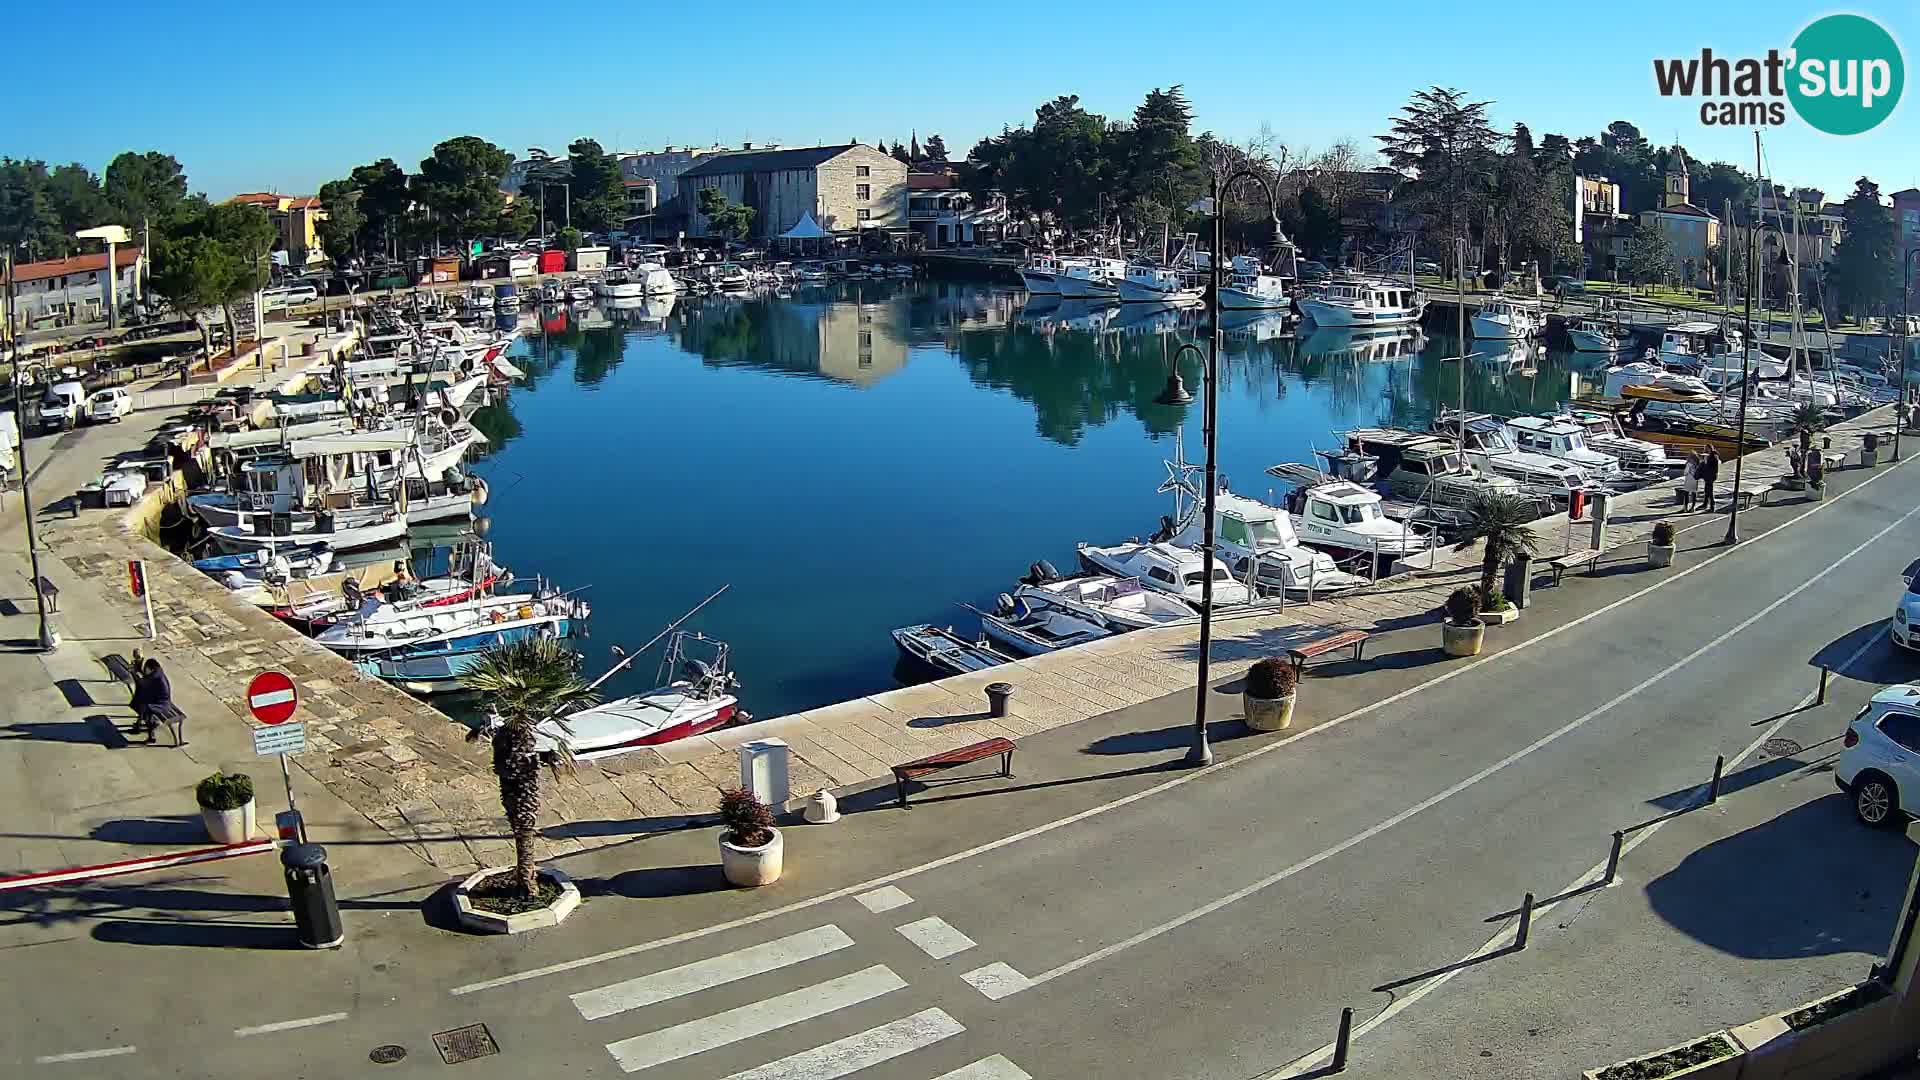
x,y
150,691
1709,474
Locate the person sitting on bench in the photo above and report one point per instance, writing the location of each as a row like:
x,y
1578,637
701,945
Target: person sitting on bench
x,y
151,691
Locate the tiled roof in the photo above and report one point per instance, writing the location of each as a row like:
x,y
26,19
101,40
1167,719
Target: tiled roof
x,y
746,161
79,264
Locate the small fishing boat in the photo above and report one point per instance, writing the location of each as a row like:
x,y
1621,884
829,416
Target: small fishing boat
x,y
292,562
1091,279
1151,283
1358,301
1343,518
1261,549
1041,275
1250,288
1502,318
579,289
1117,603
1591,335
341,531
1166,568
696,695
943,652
1025,630
1566,441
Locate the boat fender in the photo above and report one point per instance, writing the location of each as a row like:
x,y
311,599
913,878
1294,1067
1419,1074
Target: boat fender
x,y
1003,604
479,493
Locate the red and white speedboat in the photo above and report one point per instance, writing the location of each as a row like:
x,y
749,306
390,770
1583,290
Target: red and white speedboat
x,y
699,701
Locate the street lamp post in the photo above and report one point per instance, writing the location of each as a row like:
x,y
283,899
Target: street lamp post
x,y
1201,752
1746,389
46,641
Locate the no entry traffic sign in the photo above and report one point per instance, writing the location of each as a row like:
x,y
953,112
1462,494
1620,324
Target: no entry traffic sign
x,y
272,698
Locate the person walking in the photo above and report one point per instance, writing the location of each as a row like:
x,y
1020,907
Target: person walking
x,y
1688,479
1709,473
151,690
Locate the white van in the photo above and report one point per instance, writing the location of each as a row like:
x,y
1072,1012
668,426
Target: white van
x,y
287,296
61,405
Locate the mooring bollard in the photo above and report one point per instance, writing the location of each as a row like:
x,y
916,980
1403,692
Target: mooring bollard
x,y
1613,857
1526,923
1825,674
1713,788
1341,1041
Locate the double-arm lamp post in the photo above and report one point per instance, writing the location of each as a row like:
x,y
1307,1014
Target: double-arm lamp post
x,y
1201,752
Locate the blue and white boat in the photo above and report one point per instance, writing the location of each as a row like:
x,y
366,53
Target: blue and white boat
x,y
429,649
293,560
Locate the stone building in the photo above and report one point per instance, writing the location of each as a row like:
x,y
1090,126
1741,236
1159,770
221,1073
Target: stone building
x,y
847,188
1691,230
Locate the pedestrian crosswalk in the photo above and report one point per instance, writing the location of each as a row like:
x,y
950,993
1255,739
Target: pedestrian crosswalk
x,y
867,988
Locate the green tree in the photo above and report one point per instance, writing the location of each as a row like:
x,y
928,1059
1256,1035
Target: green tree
x,y
935,149
599,191
1649,255
77,201
1319,227
899,153
145,189
1864,272
526,683
1499,520
1719,183
196,274
726,217
342,229
1158,160
384,199
460,184
29,223
568,238
1447,142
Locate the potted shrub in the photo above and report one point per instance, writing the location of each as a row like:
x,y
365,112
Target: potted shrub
x,y
226,806
750,847
1496,609
1463,633
1268,698
1660,546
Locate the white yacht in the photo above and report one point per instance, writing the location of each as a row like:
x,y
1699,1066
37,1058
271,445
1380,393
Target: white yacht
x,y
1248,288
1490,448
339,531
1151,283
1166,568
1566,441
1345,519
1259,543
1091,279
1603,433
1505,319
1355,301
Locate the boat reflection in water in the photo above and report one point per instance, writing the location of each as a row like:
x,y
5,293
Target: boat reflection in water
x,y
1385,344
1254,326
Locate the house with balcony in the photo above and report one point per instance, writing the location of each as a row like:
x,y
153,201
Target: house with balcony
x,y
1601,225
946,217
297,219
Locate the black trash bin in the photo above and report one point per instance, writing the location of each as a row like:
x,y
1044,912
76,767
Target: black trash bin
x,y
1519,583
998,694
316,914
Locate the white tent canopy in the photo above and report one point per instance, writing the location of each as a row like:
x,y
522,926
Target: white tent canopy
x,y
805,229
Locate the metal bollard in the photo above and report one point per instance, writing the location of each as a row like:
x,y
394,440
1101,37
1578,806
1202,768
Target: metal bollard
x,y
1825,674
997,696
1526,923
1341,1041
1713,787
1613,857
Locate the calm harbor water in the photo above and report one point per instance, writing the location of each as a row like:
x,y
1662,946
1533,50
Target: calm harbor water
x,y
872,454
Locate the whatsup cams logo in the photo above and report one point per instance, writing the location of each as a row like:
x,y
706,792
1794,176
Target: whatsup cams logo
x,y
1843,75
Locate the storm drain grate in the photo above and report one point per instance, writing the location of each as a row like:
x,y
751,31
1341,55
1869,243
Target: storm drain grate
x,y
465,1044
386,1055
1780,748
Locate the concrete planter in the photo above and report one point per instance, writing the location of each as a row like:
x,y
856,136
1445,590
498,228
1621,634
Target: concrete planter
x,y
229,826
1854,1042
474,918
1463,640
1501,617
1268,714
1660,555
751,867
1722,1068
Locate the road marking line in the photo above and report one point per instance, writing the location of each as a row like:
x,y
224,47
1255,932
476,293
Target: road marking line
x,y
288,1025
996,980
987,1068
747,1021
83,1055
884,899
842,1057
1433,800
714,971
1401,1003
936,937
1157,789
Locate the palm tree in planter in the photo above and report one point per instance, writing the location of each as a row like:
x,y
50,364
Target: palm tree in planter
x,y
1500,520
529,681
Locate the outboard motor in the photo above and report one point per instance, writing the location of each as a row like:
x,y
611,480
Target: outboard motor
x,y
1166,530
1003,605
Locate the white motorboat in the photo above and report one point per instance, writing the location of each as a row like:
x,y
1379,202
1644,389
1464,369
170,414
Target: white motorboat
x,y
579,289
1023,630
1419,468
1604,433
295,562
341,531
696,695
617,284
1248,288
552,292
654,279
1261,548
1117,603
1591,335
1490,448
1166,568
1356,301
1566,441
472,625
1704,345
943,652
1091,279
1505,319
731,277
1151,283
1041,275
1345,519
479,298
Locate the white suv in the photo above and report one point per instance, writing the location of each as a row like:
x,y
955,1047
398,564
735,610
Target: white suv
x,y
1880,765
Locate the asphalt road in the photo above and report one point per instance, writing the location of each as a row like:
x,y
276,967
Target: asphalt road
x,y
1105,913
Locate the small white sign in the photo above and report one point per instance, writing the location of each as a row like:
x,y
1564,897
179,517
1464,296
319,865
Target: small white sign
x,y
279,739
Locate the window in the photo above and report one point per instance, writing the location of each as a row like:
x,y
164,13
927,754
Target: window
x,y
1161,574
863,192
863,170
866,215
1902,729
866,340
1325,512
1234,531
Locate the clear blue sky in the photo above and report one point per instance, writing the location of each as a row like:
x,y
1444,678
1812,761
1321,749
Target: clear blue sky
x,y
253,97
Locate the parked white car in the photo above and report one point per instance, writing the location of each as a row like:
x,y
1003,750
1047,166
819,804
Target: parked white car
x,y
1879,767
109,405
1906,613
287,296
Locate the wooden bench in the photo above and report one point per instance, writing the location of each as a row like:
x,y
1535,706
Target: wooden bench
x,y
49,592
1750,492
169,714
1560,564
950,758
1306,651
